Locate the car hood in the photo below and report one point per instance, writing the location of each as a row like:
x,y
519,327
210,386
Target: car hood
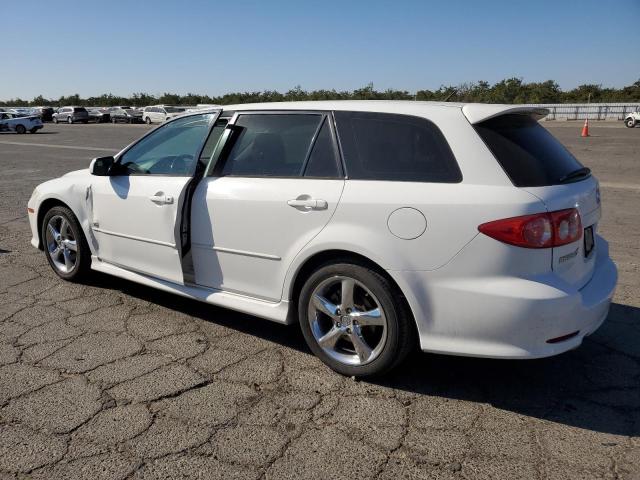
x,y
78,173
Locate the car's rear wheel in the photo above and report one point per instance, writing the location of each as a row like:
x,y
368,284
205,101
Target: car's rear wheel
x,y
65,246
354,320
21,129
148,121
630,122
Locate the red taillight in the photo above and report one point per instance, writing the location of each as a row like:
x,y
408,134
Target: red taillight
x,y
541,230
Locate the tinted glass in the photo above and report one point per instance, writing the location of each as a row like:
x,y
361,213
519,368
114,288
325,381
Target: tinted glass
x,y
79,109
380,146
212,141
271,145
323,161
169,150
528,153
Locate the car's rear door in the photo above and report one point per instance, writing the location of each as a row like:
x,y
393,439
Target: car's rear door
x,y
276,184
136,213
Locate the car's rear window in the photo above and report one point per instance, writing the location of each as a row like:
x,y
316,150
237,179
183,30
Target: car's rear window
x,y
403,148
527,152
79,109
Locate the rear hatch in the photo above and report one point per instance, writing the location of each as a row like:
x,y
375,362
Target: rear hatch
x,y
537,162
80,112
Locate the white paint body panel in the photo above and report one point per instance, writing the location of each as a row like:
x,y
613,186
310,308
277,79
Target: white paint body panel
x,y
134,231
245,235
469,294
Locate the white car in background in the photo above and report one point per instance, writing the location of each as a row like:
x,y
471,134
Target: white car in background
x,y
160,113
632,119
378,226
19,123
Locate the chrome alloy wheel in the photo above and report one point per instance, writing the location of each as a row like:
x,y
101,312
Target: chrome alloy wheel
x,y
61,244
347,320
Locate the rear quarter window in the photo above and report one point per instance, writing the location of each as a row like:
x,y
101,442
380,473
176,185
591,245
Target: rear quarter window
x,y
382,146
527,152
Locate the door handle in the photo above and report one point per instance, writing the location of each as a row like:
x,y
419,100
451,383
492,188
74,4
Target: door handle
x,y
303,202
161,199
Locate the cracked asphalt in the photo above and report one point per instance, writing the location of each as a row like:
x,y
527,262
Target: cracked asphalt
x,y
111,380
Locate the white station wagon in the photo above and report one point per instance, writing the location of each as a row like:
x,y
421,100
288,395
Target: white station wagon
x,y
376,225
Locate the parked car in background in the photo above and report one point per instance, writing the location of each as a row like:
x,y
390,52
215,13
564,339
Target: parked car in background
x,y
71,115
632,119
45,113
99,115
160,113
125,114
24,111
465,229
19,123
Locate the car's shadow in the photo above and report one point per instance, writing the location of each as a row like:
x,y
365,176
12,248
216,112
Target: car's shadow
x,y
595,387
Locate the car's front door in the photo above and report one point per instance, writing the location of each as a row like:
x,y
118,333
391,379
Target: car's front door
x,y
136,212
276,184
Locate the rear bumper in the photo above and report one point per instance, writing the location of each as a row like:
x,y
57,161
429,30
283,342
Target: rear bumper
x,y
508,317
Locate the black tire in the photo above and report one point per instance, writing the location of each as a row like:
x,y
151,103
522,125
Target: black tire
x,y
401,330
21,129
55,120
69,120
630,122
113,120
148,121
83,253
33,130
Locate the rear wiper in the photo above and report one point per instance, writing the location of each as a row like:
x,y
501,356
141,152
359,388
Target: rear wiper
x,y
579,173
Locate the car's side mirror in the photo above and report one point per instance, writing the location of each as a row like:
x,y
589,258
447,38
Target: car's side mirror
x,y
101,166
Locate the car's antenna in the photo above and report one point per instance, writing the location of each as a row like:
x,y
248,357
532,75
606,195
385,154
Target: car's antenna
x,y
455,90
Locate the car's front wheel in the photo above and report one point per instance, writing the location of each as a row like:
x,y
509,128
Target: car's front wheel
x,y
69,120
148,121
355,320
21,129
65,246
55,119
630,122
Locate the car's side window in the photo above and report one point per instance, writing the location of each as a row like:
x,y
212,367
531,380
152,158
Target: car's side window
x,y
323,161
170,150
385,146
212,141
271,145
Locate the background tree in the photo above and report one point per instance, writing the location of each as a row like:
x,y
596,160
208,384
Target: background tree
x,y
510,90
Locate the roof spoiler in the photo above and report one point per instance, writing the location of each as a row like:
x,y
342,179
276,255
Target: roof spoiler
x,y
479,112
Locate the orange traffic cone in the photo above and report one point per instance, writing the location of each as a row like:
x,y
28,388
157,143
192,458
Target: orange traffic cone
x,y
585,128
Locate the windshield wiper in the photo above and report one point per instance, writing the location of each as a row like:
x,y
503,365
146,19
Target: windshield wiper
x,y
583,172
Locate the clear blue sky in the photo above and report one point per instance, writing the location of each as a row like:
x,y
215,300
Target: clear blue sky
x,y
212,47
